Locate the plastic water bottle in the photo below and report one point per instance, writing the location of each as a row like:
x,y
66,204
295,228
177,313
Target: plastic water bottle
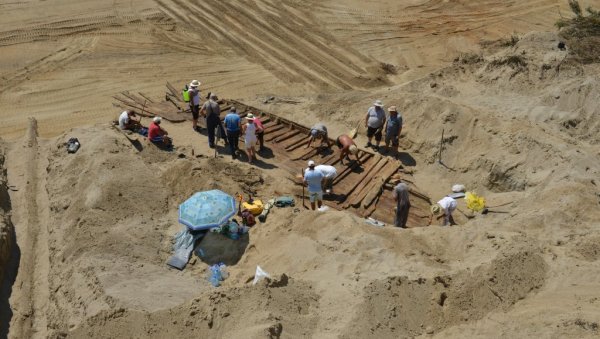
x,y
215,275
224,273
233,231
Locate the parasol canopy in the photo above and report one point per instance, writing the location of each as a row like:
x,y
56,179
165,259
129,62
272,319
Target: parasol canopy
x,y
208,209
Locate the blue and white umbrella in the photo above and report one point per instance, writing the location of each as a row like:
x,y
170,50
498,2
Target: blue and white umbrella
x,y
208,209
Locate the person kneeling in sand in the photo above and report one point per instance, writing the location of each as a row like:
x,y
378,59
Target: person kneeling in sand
x,y
127,123
313,179
443,208
347,146
157,134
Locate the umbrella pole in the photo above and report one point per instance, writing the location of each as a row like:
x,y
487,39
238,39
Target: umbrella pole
x,y
303,205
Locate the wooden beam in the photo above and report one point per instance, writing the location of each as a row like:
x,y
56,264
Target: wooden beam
x,y
378,183
363,187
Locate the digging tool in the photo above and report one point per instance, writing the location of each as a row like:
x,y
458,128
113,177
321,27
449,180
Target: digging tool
x,y
354,131
487,210
303,204
469,216
441,146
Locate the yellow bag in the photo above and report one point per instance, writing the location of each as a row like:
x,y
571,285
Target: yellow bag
x,y
474,202
256,207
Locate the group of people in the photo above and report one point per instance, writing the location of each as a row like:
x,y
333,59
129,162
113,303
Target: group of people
x,y
318,178
441,210
377,122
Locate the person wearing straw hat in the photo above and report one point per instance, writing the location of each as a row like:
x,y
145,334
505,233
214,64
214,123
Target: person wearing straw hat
x,y
157,134
194,95
313,179
250,130
374,121
443,208
393,128
347,146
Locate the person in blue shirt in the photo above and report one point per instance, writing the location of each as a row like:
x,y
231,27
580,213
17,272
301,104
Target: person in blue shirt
x,y
313,179
233,127
393,128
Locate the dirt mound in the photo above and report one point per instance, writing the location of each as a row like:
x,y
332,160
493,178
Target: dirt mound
x,y
399,306
6,230
283,307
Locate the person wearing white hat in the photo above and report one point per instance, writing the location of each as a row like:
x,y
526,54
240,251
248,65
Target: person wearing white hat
x,y
194,95
157,134
374,121
393,128
443,208
346,146
250,130
313,179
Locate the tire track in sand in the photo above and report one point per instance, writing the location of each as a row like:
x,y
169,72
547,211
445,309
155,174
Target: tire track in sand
x,y
74,49
30,291
278,37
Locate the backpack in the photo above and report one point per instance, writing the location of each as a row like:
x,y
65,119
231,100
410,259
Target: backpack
x,y
248,218
284,201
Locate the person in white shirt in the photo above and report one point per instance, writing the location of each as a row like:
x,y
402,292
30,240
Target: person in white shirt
x,y
194,94
444,208
126,122
329,173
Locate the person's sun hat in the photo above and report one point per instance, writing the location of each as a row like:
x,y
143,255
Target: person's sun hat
x,y
250,116
378,103
311,163
393,109
195,83
157,120
436,209
353,150
314,132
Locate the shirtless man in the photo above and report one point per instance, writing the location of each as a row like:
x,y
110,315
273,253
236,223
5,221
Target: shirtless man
x,y
347,146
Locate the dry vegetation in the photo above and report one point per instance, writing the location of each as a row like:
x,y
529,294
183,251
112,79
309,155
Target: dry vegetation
x,y
582,33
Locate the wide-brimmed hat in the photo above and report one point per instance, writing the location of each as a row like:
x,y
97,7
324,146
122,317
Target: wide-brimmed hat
x,y
378,103
393,109
353,149
195,83
311,163
250,116
436,209
157,120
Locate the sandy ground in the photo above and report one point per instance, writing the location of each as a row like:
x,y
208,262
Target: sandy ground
x,y
93,230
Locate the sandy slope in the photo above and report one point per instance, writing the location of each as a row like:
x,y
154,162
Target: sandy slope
x,y
94,229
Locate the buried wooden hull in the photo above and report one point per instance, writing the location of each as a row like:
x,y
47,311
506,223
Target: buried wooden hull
x,y
364,189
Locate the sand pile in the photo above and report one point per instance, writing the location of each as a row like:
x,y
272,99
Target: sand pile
x,y
6,231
